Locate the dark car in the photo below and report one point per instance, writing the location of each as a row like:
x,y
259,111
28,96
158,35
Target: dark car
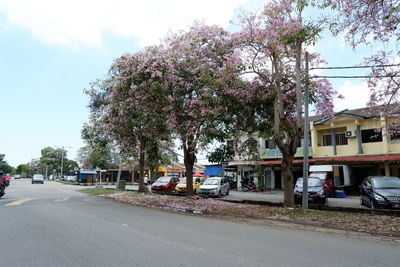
x,y
380,192
316,191
165,184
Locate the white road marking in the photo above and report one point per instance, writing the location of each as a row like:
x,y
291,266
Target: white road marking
x,y
62,200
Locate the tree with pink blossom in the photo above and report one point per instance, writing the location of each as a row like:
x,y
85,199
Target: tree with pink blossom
x,y
375,23
201,66
272,43
131,105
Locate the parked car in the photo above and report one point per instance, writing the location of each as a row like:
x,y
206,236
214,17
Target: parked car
x,y
214,186
165,184
181,186
380,192
37,178
70,178
316,191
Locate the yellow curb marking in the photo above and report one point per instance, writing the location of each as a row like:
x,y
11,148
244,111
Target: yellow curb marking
x,y
18,202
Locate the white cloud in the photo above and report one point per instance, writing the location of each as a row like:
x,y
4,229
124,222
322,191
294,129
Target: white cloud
x,y
77,23
356,96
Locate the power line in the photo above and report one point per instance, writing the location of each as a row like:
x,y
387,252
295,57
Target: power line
x,y
356,77
355,67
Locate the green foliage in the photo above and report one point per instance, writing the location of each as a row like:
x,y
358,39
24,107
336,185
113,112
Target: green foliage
x,y
23,169
221,154
93,158
51,157
4,166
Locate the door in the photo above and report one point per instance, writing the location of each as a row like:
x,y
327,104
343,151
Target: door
x,y
225,186
90,179
366,192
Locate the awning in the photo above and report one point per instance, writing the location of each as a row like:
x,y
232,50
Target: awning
x,y
337,160
355,159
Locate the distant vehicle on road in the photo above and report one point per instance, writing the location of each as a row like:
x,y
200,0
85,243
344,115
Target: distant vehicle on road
x,y
316,191
37,178
165,184
380,192
17,176
214,186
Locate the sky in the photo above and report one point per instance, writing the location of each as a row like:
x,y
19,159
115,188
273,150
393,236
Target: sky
x,y
52,50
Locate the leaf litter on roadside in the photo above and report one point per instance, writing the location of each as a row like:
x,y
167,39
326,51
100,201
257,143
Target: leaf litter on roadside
x,y
210,206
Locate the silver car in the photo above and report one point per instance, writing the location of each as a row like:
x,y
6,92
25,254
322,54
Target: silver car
x,y
37,178
214,186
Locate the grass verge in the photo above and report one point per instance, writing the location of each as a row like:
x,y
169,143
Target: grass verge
x,y
98,191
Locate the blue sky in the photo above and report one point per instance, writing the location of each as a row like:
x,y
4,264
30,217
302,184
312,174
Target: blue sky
x,y
52,50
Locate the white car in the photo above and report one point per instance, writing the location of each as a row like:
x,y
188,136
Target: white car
x,y
214,186
37,178
70,178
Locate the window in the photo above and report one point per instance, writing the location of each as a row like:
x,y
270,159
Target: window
x,y
326,140
270,144
341,139
325,137
371,136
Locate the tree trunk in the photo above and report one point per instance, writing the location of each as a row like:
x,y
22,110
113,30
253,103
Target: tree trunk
x,y
189,158
287,177
119,172
142,187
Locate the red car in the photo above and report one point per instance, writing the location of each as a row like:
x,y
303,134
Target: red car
x,y
164,184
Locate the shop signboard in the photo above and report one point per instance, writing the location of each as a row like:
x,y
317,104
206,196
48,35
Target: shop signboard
x,y
277,154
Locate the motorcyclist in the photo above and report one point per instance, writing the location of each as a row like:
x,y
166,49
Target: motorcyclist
x,y
2,184
7,179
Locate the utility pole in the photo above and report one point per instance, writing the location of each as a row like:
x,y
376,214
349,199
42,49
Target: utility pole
x,y
62,161
306,138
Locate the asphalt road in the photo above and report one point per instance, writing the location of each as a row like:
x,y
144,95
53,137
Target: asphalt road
x,y
53,225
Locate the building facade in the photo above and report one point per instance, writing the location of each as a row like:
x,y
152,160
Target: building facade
x,y
357,142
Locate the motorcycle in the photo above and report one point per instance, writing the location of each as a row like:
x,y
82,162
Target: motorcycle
x,y
249,187
2,185
2,191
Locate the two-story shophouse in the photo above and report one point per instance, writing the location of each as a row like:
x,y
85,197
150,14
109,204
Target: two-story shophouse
x,y
357,140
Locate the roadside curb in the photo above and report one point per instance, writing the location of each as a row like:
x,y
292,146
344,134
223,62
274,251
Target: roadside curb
x,y
395,213
332,230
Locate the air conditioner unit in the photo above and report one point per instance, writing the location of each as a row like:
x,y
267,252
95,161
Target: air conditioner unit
x,y
350,134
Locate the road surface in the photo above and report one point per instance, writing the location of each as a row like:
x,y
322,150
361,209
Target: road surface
x,y
54,225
